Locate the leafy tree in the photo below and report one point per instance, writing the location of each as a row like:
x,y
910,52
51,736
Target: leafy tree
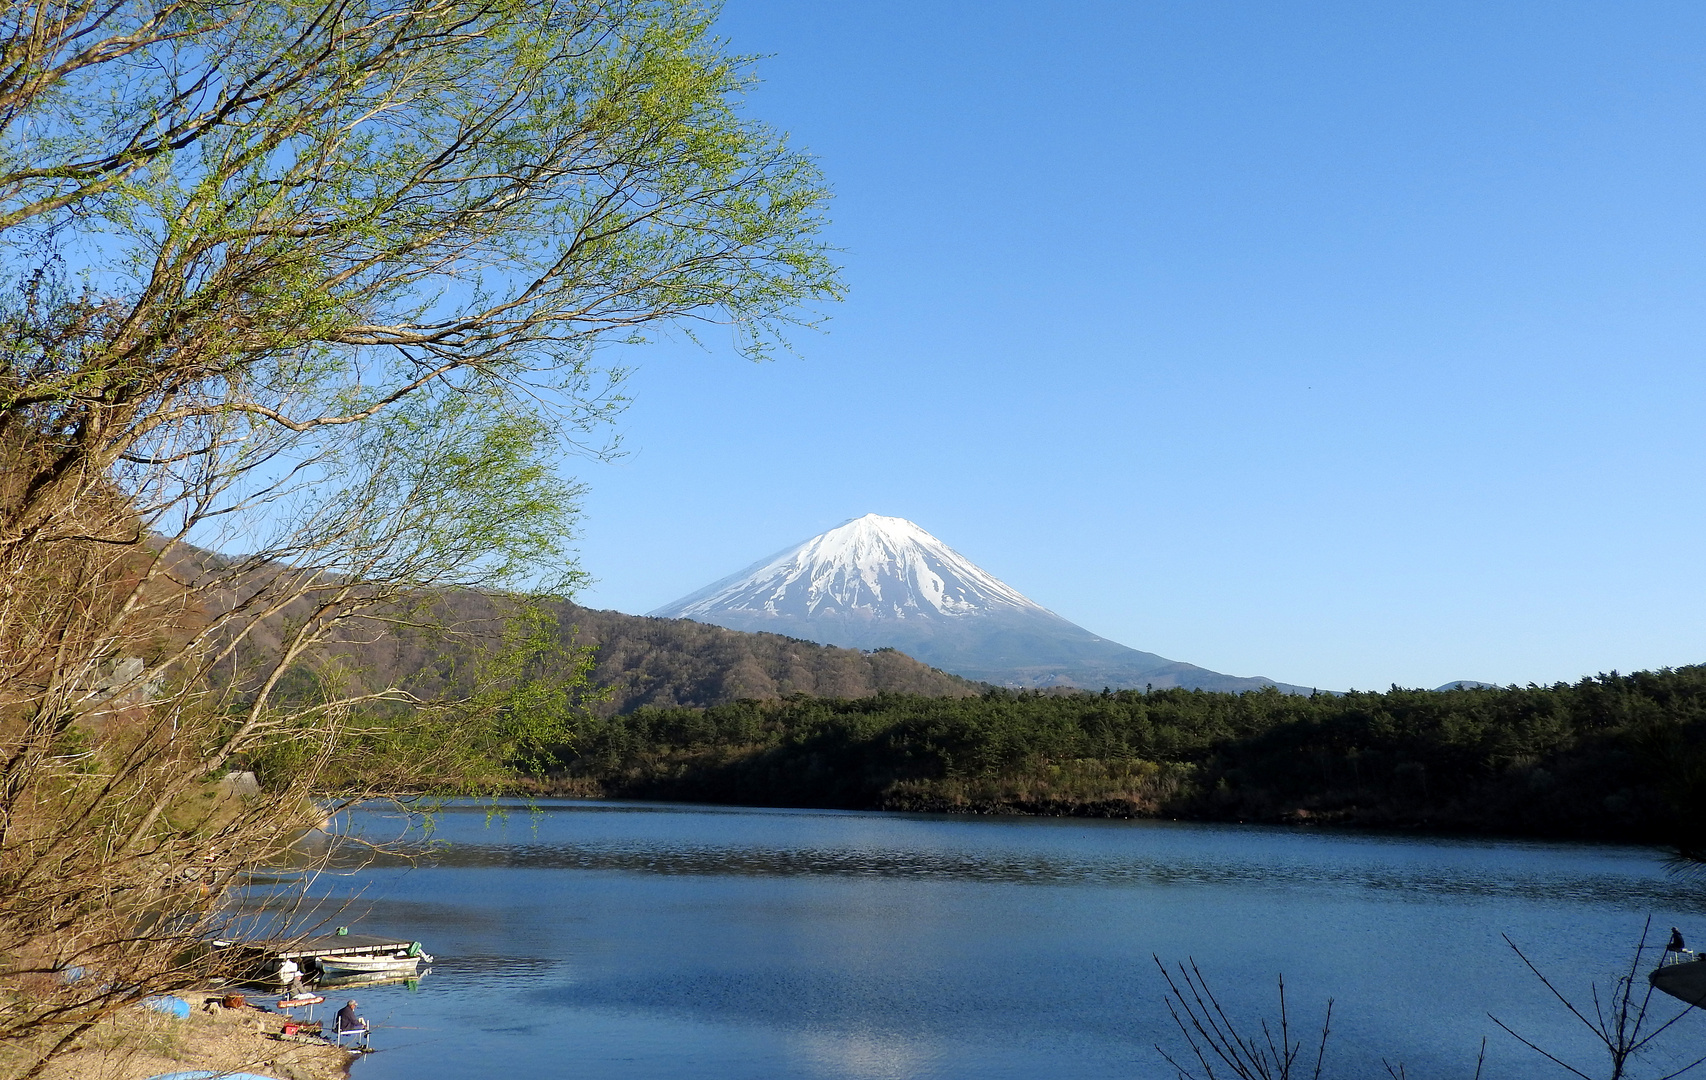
x,y
322,283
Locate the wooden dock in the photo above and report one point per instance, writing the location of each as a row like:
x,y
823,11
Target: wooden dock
x,y
259,959
335,945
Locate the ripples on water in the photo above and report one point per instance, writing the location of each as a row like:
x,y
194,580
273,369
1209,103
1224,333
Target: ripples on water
x,y
639,940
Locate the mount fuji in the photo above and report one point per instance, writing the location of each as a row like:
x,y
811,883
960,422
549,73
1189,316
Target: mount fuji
x,y
883,582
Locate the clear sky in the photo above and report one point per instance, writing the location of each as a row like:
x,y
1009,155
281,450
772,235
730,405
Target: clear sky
x,y
1346,344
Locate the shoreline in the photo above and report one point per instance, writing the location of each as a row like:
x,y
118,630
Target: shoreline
x,y
136,1043
1354,821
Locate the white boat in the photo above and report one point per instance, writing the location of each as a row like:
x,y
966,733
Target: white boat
x,y
390,964
330,956
1682,975
411,979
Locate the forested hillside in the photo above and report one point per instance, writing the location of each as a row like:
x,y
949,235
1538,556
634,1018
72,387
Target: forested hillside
x,y
643,661
677,662
1615,757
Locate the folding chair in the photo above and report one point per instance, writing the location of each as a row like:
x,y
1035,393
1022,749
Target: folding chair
x,y
339,1031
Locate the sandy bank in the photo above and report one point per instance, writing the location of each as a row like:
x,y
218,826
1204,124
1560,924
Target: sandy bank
x,y
138,1043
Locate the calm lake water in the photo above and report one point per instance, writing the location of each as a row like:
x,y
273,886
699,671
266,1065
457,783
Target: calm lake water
x,y
642,940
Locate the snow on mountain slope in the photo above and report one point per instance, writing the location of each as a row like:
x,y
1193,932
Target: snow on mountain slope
x,y
879,581
884,566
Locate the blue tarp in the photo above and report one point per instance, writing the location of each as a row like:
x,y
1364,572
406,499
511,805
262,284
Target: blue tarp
x,y
166,1003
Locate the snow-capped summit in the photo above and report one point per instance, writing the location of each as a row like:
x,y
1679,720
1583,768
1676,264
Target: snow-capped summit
x,y
877,581
883,567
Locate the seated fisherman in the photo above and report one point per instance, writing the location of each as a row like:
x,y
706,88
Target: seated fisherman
x,y
1676,944
291,976
348,1020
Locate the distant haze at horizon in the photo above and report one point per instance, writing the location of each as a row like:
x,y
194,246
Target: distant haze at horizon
x,y
1353,346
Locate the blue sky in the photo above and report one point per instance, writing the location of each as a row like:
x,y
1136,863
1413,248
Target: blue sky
x,y
1347,344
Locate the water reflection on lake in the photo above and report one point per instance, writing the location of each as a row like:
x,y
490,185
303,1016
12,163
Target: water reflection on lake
x,y
631,940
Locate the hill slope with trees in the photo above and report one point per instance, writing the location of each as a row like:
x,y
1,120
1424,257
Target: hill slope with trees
x,y
1618,757
648,662
641,661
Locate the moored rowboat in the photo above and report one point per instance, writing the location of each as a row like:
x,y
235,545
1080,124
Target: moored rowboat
x,y
399,963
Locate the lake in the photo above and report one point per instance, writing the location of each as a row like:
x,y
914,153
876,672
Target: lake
x,y
625,940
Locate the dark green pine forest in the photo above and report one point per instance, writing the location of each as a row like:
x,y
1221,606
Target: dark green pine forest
x,y
1614,757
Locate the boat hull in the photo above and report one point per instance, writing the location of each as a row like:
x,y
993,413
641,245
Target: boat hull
x,y
340,967
328,984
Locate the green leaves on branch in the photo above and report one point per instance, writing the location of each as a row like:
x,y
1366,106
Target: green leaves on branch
x,y
539,691
443,489
516,703
454,180
301,215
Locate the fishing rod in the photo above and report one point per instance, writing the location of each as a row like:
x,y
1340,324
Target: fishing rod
x,y
404,1046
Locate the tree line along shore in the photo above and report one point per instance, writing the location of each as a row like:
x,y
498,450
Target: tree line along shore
x,y
1613,757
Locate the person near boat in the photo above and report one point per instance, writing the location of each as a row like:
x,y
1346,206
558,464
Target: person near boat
x,y
291,976
1676,944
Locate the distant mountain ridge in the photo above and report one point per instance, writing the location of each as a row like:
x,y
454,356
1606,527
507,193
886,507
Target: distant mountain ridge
x,y
877,581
